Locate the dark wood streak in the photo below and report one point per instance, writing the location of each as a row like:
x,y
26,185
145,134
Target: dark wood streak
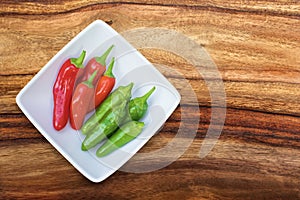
x,y
102,5
240,125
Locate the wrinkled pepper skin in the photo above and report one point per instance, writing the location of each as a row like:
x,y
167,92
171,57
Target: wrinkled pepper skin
x,y
63,90
130,128
122,136
139,106
95,64
105,127
118,96
81,99
103,87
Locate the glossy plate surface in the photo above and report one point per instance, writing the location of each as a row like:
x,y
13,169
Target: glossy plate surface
x,y
36,99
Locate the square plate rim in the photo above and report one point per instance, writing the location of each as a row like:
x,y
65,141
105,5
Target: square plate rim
x,y
46,66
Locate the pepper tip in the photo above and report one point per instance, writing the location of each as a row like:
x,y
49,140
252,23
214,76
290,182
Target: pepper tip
x,y
83,148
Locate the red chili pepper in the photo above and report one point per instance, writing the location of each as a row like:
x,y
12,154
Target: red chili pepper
x,y
81,99
104,86
96,63
63,89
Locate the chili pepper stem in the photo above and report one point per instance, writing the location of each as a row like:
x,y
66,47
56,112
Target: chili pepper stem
x,y
148,94
109,72
102,58
78,61
89,82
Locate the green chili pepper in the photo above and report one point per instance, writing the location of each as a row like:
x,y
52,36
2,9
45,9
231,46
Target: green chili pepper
x,y
138,106
105,127
121,94
122,136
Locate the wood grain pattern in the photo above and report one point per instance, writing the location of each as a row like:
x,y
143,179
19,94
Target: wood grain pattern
x,y
255,45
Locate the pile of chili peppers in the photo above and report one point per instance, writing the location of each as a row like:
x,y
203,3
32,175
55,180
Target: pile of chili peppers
x,y
79,90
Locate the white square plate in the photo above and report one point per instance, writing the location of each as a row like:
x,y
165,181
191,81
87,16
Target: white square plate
x,y
36,99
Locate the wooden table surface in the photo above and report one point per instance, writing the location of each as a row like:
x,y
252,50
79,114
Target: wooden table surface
x,y
256,47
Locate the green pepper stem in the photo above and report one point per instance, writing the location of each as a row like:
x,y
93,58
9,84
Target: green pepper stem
x,y
78,61
89,82
148,94
127,89
102,58
109,72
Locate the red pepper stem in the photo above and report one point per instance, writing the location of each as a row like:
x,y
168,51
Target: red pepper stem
x,y
147,95
89,82
78,61
108,71
102,58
